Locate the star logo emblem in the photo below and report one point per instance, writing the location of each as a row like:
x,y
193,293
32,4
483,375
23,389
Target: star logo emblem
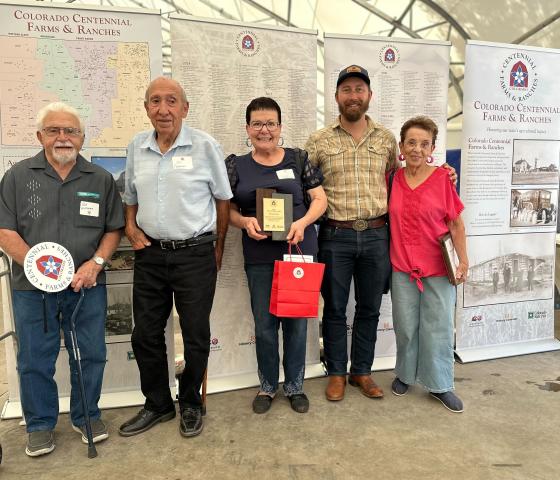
x,y
519,77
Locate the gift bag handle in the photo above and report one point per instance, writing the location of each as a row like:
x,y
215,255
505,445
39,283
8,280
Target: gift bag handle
x,y
299,251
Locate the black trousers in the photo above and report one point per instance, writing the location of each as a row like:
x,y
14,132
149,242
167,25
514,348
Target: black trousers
x,y
189,276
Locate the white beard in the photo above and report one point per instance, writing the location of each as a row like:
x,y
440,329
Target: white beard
x,y
63,158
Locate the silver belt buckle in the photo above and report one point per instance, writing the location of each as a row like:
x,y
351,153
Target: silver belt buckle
x,y
360,225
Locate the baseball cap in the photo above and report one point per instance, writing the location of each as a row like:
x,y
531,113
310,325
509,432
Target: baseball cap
x,y
353,71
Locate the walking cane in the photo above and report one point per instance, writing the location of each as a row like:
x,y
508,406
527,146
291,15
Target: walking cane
x,y
92,452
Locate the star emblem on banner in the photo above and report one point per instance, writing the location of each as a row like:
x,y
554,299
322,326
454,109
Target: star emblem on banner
x,y
51,266
248,43
389,56
519,77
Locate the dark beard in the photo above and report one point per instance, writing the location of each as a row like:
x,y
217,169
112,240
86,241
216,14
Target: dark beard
x,y
354,115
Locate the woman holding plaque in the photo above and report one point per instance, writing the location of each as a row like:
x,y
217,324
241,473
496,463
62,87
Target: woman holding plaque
x,y
284,171
424,206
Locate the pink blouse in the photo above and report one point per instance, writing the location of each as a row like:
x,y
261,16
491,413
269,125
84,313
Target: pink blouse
x,y
417,219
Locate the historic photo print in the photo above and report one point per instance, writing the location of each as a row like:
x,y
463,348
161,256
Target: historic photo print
x,y
534,207
509,268
121,265
118,326
535,162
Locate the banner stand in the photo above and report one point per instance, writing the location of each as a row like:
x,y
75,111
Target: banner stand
x,y
382,363
509,186
467,355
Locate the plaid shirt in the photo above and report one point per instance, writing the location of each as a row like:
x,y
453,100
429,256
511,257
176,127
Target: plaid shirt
x,y
354,174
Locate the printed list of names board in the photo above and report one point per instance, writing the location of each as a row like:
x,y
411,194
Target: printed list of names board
x,y
223,67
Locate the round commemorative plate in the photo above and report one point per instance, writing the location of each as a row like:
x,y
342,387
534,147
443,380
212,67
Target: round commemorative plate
x,y
49,267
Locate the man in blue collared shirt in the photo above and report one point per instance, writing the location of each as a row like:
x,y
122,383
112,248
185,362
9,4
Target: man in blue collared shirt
x,y
177,193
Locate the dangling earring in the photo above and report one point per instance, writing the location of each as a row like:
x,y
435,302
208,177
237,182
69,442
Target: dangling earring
x,y
401,157
430,159
248,142
281,141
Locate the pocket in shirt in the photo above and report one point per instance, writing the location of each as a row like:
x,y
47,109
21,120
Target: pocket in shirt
x,y
378,157
334,160
88,221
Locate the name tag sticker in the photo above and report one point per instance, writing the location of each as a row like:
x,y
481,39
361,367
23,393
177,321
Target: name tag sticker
x,y
89,209
182,163
284,174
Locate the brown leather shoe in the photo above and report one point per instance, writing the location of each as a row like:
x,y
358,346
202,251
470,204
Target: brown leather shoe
x,y
367,386
335,388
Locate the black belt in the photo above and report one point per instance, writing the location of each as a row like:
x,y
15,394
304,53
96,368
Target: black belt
x,y
189,242
359,225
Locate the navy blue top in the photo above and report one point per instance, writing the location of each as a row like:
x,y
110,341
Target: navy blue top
x,y
246,175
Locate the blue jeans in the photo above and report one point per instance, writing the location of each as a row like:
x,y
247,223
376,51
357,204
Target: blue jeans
x,y
294,332
423,324
38,351
363,256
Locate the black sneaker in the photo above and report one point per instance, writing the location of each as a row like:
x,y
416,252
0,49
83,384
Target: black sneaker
x,y
262,403
399,388
191,422
450,401
299,402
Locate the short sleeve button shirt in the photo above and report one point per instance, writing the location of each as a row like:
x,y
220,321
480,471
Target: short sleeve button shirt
x,y
175,190
40,207
354,172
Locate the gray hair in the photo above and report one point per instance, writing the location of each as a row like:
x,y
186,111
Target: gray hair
x,y
57,107
183,93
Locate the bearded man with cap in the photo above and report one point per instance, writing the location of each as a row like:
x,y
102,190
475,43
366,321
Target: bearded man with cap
x,y
354,154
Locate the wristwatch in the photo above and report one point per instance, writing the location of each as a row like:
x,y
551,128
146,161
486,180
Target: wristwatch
x,y
100,261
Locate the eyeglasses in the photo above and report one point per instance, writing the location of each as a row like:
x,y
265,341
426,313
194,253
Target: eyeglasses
x,y
271,126
68,131
412,144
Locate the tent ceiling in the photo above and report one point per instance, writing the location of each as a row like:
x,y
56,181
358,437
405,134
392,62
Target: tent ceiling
x,y
509,21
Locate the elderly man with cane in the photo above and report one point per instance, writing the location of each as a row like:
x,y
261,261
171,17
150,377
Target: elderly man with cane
x,y
58,196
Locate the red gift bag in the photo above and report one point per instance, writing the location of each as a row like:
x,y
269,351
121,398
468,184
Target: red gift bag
x,y
295,288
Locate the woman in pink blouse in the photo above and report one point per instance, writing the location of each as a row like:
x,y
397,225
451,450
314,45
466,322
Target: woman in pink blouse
x,y
424,206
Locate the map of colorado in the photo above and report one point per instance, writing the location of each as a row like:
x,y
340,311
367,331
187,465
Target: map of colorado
x,y
105,81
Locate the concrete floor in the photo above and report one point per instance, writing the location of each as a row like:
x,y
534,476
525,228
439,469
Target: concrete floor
x,y
510,430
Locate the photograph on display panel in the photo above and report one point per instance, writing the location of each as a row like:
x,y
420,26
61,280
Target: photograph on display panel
x,y
535,162
509,268
533,208
121,265
119,324
115,166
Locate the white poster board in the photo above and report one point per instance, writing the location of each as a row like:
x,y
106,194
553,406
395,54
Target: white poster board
x,y
408,78
222,66
100,62
509,185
